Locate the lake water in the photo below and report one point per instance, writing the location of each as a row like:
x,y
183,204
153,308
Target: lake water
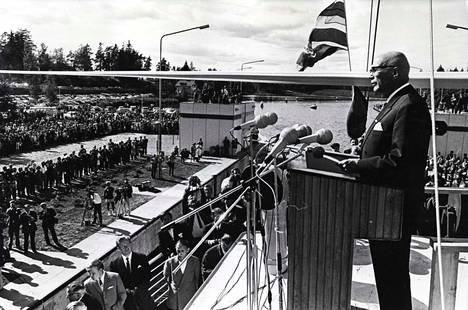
x,y
328,115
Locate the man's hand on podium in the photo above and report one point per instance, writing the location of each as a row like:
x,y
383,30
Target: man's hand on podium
x,y
349,165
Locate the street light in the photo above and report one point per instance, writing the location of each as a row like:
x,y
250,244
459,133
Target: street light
x,y
242,69
419,69
159,145
250,62
455,27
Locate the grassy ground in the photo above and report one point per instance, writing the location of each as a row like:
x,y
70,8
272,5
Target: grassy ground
x,y
70,213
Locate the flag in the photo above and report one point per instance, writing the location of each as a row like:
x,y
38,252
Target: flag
x,y
328,36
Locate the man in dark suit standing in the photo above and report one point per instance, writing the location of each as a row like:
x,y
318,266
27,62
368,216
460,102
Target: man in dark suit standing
x,y
135,273
105,287
184,283
394,153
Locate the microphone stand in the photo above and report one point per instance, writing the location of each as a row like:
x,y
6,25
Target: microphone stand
x,y
221,218
251,235
228,193
279,266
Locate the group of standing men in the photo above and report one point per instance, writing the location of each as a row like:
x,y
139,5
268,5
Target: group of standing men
x,y
32,179
24,218
124,286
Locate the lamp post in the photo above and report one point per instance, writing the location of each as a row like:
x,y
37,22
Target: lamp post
x,y
250,62
455,27
242,69
159,145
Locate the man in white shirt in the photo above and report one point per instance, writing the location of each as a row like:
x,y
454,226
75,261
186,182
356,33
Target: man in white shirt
x,y
135,272
96,200
105,286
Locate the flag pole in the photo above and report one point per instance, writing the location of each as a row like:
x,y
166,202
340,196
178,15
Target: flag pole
x,y
375,31
370,32
347,41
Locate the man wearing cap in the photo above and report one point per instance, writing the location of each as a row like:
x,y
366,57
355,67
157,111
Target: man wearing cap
x,y
76,292
134,270
13,224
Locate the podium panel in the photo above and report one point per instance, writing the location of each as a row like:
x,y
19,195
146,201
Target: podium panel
x,y
327,211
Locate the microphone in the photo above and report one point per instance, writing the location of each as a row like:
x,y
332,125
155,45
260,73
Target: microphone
x,y
318,152
287,136
322,136
260,121
302,130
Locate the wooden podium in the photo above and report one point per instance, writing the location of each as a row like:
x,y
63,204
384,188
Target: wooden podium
x,y
327,210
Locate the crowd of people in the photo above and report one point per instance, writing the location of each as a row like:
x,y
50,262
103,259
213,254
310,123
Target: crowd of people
x,y
210,94
452,102
31,131
452,170
18,182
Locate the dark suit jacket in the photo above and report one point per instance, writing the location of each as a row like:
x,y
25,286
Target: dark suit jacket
x,y
138,280
113,295
394,149
182,287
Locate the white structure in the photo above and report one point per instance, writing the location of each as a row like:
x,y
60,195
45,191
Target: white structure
x,y
212,122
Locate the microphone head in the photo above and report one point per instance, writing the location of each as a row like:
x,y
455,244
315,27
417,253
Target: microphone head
x,y
324,136
302,130
288,135
265,120
318,152
272,118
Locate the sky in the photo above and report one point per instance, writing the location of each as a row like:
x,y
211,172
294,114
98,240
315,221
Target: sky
x,y
275,31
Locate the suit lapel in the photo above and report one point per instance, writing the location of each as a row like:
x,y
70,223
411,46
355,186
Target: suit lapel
x,y
387,108
178,275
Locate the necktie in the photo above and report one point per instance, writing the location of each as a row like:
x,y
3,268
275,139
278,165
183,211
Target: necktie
x,y
100,283
128,266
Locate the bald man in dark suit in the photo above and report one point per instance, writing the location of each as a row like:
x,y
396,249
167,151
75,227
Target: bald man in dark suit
x,y
394,153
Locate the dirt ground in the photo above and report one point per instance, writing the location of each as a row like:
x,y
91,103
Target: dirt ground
x,y
69,205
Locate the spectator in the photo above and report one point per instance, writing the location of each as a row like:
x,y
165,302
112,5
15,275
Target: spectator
x,y
109,198
184,283
126,197
13,225
49,219
134,270
169,236
171,164
28,220
194,197
118,200
154,166
101,281
214,255
76,293
96,201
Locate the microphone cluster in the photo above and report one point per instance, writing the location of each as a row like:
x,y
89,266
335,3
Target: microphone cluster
x,y
298,134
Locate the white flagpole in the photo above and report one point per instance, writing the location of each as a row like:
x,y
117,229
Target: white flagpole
x,y
434,159
347,41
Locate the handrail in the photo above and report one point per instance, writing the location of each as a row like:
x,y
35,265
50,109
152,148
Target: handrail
x,y
417,79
